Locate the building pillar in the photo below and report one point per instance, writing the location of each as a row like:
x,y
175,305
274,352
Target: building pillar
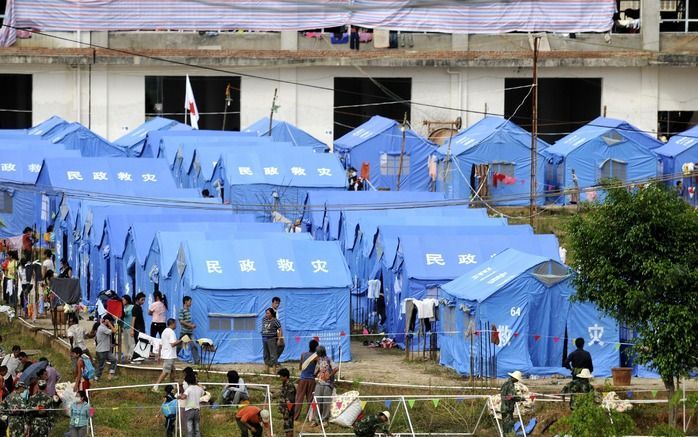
x,y
289,40
649,27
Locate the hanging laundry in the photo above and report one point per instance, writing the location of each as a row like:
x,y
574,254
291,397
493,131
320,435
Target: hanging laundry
x,y
432,167
374,287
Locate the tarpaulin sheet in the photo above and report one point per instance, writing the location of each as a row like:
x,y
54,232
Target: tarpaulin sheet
x,y
286,132
600,333
274,15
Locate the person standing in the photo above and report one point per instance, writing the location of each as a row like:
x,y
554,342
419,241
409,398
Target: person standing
x,y
158,310
253,420
126,324
138,322
192,406
43,403
11,361
171,417
306,385
81,382
287,399
79,415
168,352
47,264
509,400
325,369
104,345
14,405
281,343
187,328
574,196
271,330
66,271
579,359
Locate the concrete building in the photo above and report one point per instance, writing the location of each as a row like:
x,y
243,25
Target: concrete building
x,y
112,81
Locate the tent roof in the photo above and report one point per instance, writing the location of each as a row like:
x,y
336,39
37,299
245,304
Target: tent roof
x,y
189,154
154,139
486,129
447,258
334,202
679,143
389,236
487,278
376,126
219,265
284,131
597,128
47,126
292,167
118,176
23,167
138,135
86,135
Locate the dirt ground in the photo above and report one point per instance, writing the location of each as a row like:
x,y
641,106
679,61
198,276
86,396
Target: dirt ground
x,y
389,367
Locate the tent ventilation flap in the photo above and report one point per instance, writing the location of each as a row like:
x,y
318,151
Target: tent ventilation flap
x,y
551,273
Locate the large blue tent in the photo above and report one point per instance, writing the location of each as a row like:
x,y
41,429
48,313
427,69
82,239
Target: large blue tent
x,y
152,148
259,182
232,283
526,297
492,159
422,264
282,131
603,148
75,136
676,159
379,144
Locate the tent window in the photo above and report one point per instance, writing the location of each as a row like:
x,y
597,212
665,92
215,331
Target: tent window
x,y
390,164
5,202
614,169
612,138
232,322
551,273
505,168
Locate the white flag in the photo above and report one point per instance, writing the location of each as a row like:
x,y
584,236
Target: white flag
x,y
190,105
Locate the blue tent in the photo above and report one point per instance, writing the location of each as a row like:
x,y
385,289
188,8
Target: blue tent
x,y
47,127
681,149
325,207
198,162
526,297
232,283
378,142
287,133
604,148
601,334
134,141
422,264
504,149
281,180
75,136
19,200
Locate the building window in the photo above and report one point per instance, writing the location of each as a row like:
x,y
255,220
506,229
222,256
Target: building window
x,y
217,99
17,101
612,169
678,15
390,164
671,123
5,202
232,322
505,168
356,99
564,104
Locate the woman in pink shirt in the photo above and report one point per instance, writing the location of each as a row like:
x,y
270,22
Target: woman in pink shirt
x,y
157,309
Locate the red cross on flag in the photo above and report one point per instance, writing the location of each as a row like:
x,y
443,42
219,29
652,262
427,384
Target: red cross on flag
x,y
190,106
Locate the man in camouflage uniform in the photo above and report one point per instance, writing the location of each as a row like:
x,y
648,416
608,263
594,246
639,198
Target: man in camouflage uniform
x,y
287,397
580,384
14,407
509,400
370,425
41,420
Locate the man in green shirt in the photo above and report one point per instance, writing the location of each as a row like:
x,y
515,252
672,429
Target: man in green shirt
x,y
187,328
370,425
580,384
509,400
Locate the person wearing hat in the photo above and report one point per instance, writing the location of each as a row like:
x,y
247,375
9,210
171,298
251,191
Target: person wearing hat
x,y
370,425
42,403
252,420
509,400
580,384
14,407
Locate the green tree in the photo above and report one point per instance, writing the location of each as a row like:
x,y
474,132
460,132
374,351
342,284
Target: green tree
x,y
589,419
636,257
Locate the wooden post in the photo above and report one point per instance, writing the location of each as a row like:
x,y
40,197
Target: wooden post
x,y
403,128
534,132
